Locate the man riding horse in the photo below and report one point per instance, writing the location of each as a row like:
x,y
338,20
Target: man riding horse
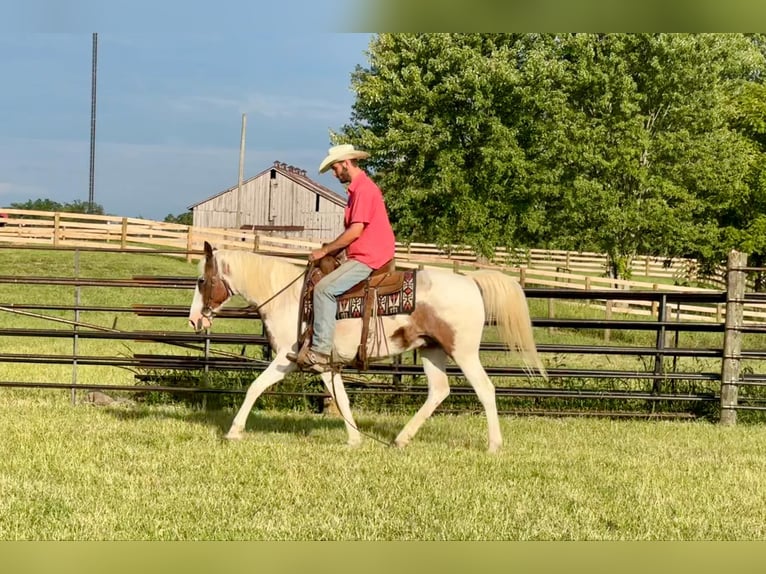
x,y
369,243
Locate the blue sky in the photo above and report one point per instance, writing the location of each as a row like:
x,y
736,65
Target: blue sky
x,y
169,106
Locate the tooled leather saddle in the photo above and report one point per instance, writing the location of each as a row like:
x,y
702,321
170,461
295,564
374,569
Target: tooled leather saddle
x,y
387,291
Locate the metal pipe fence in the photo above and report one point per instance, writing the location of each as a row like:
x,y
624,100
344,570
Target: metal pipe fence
x,y
576,385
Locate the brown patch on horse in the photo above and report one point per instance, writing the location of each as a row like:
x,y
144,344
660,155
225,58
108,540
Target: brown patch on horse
x,y
425,324
212,287
218,292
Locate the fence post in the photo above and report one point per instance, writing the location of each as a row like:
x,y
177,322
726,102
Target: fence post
x,y
189,244
75,339
124,233
551,313
732,342
56,228
608,317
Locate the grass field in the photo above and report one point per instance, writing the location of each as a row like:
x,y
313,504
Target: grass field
x,y
131,472
140,471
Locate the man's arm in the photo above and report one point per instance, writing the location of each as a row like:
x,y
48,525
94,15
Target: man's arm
x,y
343,240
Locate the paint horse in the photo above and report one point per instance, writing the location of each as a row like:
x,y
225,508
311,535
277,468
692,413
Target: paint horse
x,y
447,321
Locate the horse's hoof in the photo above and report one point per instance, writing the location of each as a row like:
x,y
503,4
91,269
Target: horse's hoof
x,y
493,449
401,443
234,434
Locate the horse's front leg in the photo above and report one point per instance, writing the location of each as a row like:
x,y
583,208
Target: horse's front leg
x,y
334,384
274,373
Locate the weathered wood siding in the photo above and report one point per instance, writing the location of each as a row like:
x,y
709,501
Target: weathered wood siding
x,y
274,200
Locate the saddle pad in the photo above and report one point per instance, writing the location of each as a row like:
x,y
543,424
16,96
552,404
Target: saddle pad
x,y
401,302
397,303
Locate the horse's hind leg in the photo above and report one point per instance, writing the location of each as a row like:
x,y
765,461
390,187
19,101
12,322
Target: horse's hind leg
x,y
485,390
435,367
337,390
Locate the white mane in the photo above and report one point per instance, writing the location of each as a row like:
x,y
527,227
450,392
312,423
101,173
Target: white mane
x,y
257,278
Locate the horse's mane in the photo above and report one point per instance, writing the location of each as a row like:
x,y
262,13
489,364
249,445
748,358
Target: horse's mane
x,y
259,277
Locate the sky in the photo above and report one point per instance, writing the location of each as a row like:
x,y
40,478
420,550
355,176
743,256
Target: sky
x,y
169,105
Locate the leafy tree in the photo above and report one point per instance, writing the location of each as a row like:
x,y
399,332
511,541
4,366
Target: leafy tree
x,y
76,206
667,169
434,111
185,218
746,227
39,205
620,143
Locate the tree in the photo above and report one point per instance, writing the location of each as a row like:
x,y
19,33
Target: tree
x,y
185,218
433,111
746,227
76,206
39,205
621,143
657,168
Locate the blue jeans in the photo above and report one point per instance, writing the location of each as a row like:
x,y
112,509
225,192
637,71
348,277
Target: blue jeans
x,y
329,287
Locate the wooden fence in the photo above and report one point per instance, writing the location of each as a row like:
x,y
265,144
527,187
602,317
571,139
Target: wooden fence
x,y
64,228
532,267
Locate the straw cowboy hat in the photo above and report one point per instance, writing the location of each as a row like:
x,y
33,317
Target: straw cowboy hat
x,y
339,153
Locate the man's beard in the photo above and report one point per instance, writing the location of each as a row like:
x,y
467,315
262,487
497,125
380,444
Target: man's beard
x,y
343,176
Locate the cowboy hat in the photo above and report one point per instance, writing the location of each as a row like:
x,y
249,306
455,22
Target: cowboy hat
x,y
339,153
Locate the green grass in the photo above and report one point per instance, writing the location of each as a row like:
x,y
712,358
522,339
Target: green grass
x,y
131,472
147,471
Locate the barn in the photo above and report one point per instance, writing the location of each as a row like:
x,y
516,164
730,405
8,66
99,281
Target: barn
x,y
280,200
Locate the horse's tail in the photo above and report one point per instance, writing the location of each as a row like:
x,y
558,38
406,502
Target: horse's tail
x,y
506,305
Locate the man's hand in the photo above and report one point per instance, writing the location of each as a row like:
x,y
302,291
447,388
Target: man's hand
x,y
317,254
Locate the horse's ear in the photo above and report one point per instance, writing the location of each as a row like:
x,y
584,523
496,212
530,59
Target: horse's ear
x,y
209,259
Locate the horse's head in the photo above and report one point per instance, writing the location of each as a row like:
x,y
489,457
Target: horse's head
x,y
210,293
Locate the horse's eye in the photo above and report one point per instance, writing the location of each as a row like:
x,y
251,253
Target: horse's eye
x,y
200,282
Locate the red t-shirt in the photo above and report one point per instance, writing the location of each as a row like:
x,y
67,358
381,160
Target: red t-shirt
x,y
375,246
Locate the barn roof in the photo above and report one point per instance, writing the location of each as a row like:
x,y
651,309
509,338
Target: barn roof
x,y
291,172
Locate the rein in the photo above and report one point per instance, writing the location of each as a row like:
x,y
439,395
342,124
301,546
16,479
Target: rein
x,y
208,313
352,425
257,308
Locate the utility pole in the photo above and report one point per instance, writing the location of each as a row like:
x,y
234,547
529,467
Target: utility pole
x,y
241,171
93,123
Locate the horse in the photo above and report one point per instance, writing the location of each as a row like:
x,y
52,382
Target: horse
x,y
447,321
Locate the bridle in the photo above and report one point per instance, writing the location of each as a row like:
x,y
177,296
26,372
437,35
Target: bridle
x,y
212,287
215,290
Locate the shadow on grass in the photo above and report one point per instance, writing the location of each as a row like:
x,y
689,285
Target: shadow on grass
x,y
380,428
260,421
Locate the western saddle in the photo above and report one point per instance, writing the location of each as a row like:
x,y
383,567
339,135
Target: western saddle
x,y
382,282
